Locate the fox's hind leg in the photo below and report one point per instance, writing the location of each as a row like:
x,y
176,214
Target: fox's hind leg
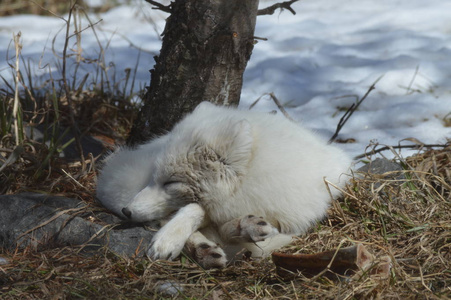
x,y
205,252
247,229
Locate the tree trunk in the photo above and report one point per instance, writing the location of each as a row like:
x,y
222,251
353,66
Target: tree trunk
x,y
206,47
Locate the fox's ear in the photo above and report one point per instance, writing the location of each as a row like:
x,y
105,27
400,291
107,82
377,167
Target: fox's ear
x,y
235,145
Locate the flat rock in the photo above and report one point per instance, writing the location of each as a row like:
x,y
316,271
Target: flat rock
x,y
44,221
384,167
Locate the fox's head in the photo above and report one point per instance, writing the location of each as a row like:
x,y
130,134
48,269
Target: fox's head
x,y
203,160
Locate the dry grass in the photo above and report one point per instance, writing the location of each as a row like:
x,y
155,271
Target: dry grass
x,y
39,164
407,219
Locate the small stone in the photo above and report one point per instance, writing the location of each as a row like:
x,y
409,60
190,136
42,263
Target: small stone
x,y
4,261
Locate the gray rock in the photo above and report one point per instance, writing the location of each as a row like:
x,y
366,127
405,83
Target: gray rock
x,y
383,166
44,221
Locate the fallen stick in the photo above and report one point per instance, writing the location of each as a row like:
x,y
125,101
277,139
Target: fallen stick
x,y
343,261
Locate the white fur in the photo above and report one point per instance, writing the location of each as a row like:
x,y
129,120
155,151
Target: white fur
x,y
171,238
231,163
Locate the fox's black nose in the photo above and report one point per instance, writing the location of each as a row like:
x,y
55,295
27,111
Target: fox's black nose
x,y
127,212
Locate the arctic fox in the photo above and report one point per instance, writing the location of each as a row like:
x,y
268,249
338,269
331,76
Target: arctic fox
x,y
240,177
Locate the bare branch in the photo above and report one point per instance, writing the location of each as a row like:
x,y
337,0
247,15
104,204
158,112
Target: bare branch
x,y
271,9
260,38
351,110
415,146
165,8
277,102
280,106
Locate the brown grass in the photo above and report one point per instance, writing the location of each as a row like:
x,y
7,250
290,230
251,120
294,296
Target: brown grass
x,y
98,104
39,168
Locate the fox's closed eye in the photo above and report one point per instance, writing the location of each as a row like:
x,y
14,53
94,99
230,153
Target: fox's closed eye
x,y
174,186
179,190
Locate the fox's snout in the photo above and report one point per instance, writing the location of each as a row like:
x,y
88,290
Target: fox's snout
x,y
127,212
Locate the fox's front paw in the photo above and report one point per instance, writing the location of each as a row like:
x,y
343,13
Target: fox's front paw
x,y
165,246
256,229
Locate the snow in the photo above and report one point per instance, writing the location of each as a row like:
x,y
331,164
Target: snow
x,y
317,62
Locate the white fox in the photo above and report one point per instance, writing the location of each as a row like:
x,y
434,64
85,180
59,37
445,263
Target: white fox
x,y
240,177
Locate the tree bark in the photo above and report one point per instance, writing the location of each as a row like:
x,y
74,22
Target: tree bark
x,y
206,47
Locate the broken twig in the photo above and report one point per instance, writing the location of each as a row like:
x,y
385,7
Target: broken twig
x,y
271,9
277,102
351,110
165,8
